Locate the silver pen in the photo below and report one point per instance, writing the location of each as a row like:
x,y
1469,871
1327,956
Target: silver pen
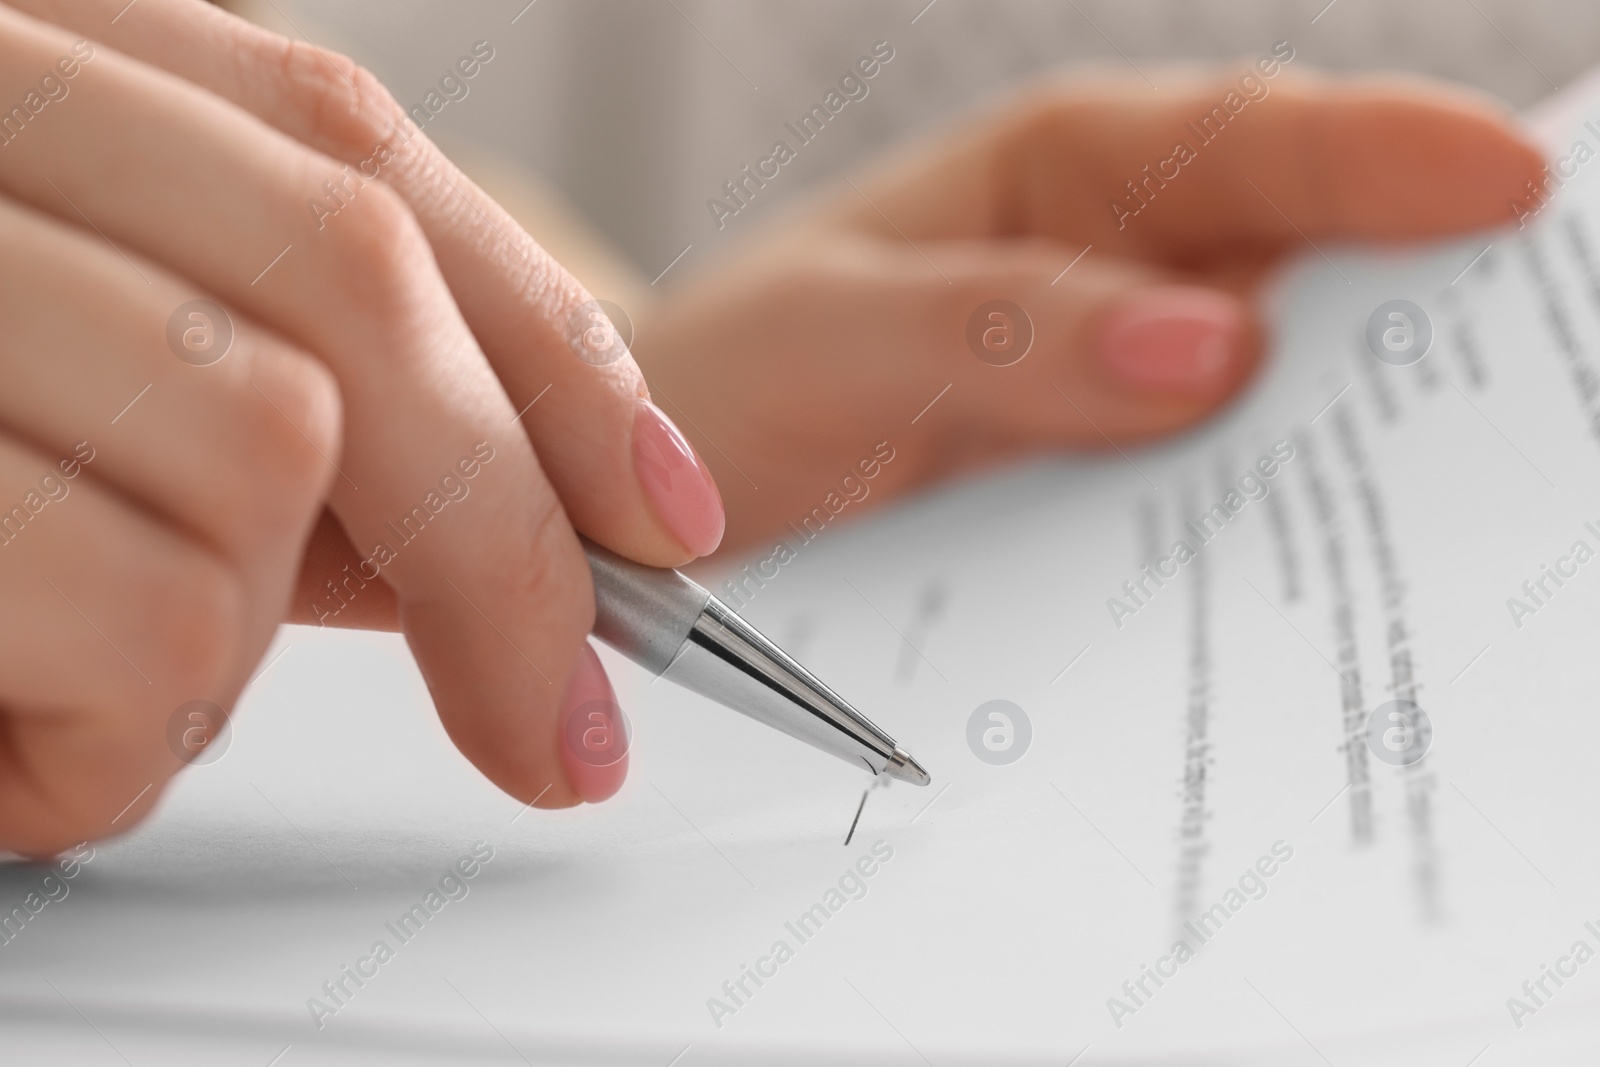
x,y
675,629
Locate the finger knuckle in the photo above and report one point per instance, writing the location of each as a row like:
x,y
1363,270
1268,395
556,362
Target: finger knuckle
x,y
534,565
378,245
292,443
381,256
198,610
1032,135
347,111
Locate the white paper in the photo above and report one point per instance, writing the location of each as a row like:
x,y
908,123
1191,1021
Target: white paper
x,y
1018,898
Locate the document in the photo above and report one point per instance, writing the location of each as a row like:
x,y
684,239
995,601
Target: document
x,y
1273,745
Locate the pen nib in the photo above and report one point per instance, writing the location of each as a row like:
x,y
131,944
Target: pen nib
x,y
903,767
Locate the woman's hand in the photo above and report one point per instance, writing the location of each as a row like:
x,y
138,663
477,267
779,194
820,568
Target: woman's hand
x,y
792,361
155,512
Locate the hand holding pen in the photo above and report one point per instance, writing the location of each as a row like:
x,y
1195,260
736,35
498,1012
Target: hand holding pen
x,y
302,448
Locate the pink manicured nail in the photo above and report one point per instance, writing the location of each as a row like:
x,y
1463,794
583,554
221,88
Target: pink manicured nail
x,y
594,733
677,483
1172,339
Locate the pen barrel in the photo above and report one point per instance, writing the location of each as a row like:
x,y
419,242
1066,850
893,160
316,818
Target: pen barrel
x,y
731,662
646,613
675,629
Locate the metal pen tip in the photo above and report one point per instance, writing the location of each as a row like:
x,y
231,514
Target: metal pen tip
x,y
903,767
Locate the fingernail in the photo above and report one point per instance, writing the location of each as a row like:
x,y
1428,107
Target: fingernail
x,y
677,483
1171,339
595,735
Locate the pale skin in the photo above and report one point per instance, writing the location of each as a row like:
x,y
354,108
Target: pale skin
x,y
834,331
392,341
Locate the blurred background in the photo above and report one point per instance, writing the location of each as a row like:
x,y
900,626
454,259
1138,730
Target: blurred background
x,y
636,111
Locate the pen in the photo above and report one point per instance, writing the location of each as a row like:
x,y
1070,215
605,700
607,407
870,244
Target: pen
x,y
675,629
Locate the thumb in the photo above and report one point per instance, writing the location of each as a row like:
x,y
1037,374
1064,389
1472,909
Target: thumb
x,y
1106,352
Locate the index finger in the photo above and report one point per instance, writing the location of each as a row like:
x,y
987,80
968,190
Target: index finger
x,y
1232,163
536,324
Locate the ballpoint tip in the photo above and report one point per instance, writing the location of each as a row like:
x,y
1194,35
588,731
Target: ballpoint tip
x,y
903,767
